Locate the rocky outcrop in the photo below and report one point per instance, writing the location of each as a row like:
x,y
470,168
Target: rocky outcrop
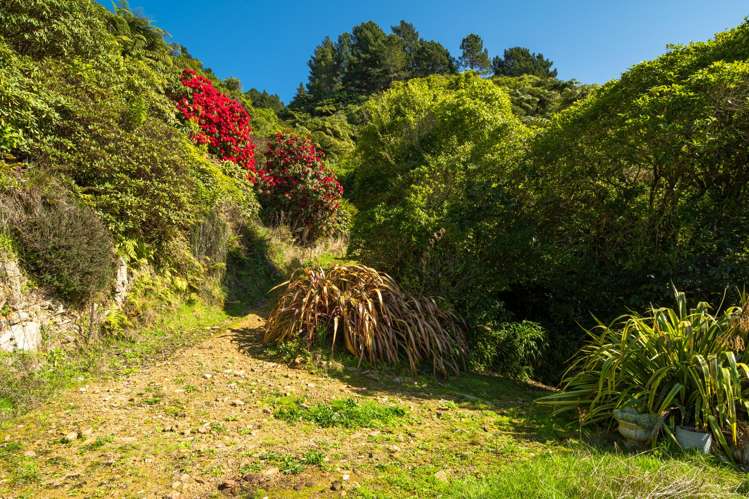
x,y
30,320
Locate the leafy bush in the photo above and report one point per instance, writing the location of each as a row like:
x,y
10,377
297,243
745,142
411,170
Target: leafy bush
x,y
681,363
63,244
373,317
55,28
536,99
436,162
643,184
101,119
222,122
297,188
509,348
638,185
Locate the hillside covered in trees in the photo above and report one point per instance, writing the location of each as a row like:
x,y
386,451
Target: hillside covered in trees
x,y
440,240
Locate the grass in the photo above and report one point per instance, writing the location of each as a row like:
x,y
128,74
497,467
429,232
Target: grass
x,y
23,469
288,464
560,473
345,413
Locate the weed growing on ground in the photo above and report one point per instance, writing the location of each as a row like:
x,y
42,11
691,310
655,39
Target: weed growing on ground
x,y
346,413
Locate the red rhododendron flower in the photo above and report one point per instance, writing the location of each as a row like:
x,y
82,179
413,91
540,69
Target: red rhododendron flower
x,y
223,123
296,186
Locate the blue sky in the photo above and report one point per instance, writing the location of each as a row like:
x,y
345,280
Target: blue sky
x,y
266,43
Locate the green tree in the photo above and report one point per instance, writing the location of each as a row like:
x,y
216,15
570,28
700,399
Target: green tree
x,y
265,100
410,41
233,85
376,59
536,100
474,56
434,152
301,98
432,58
519,61
323,71
343,54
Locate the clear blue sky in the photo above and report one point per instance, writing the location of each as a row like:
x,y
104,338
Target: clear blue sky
x,y
266,43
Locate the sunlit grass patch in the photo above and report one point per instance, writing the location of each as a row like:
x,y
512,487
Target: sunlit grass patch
x,y
346,413
561,473
288,464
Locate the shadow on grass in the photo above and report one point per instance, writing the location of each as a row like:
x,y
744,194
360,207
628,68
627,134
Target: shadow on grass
x,y
511,399
250,274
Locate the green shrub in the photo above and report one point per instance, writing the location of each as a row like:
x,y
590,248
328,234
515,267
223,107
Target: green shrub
x,y
435,162
62,243
643,184
55,28
681,363
508,348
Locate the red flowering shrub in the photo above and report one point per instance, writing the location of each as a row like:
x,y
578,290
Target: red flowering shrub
x,y
222,122
297,188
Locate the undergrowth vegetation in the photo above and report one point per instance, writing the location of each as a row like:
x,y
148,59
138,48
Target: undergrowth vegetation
x,y
63,243
683,365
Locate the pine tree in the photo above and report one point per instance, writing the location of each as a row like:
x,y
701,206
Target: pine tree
x,y
323,71
519,61
475,57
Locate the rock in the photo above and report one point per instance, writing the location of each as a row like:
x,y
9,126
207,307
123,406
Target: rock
x,y
207,375
229,487
7,342
237,403
271,471
70,437
26,336
29,453
346,477
121,282
442,476
336,485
